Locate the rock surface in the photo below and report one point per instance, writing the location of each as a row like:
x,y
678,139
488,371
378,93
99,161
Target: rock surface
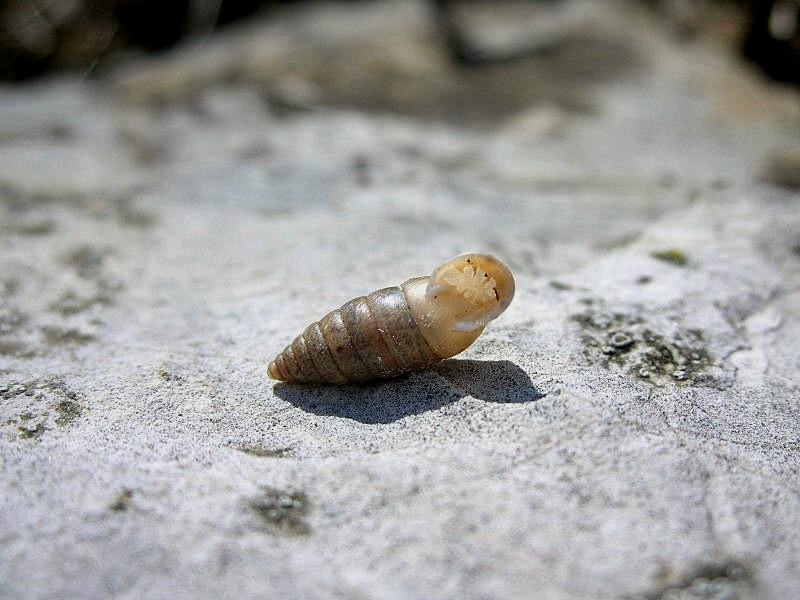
x,y
628,429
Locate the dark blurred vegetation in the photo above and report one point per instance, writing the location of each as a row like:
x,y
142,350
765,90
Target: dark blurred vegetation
x,y
773,38
38,36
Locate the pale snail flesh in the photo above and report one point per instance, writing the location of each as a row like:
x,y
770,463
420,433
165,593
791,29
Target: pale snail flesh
x,y
399,329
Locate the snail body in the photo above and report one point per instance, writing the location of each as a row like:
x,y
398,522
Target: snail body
x,y
399,329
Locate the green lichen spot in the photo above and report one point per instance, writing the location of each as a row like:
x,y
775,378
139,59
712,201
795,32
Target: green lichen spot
x,y
672,256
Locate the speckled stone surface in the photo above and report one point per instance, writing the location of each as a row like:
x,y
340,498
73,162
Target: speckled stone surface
x,y
629,428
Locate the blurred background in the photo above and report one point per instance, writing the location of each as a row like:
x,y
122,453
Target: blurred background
x,y
557,114
41,36
37,36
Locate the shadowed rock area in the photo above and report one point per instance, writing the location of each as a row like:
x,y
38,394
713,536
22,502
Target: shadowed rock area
x,y
627,429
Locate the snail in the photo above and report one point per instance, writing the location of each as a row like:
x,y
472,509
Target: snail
x,y
400,329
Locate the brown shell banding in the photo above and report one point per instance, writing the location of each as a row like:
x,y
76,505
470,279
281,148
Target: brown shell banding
x,y
368,338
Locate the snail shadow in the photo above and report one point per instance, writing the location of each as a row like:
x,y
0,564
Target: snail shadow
x,y
499,381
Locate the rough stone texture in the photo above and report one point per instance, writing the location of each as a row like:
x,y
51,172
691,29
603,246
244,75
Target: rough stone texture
x,y
628,429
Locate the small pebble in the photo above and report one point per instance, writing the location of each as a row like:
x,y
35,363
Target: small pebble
x,y
680,375
643,372
621,340
286,502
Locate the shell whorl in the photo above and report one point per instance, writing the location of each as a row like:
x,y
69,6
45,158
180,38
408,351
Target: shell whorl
x,y
370,337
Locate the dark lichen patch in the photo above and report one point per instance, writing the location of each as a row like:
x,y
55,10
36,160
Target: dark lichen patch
x,y
286,104
720,184
11,322
620,341
55,384
120,207
168,375
15,348
104,290
146,150
10,390
256,151
682,359
53,132
561,287
123,501
21,201
672,255
86,261
36,400
9,287
130,215
282,512
70,303
668,180
644,280
261,451
67,411
100,290
57,336
728,581
33,227
361,167
606,321
11,319
29,431
613,344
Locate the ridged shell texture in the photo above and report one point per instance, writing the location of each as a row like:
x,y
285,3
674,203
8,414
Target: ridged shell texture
x,y
370,337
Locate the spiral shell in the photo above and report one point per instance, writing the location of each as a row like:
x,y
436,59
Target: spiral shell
x,y
399,329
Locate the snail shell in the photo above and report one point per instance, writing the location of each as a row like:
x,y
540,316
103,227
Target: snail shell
x,y
399,329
